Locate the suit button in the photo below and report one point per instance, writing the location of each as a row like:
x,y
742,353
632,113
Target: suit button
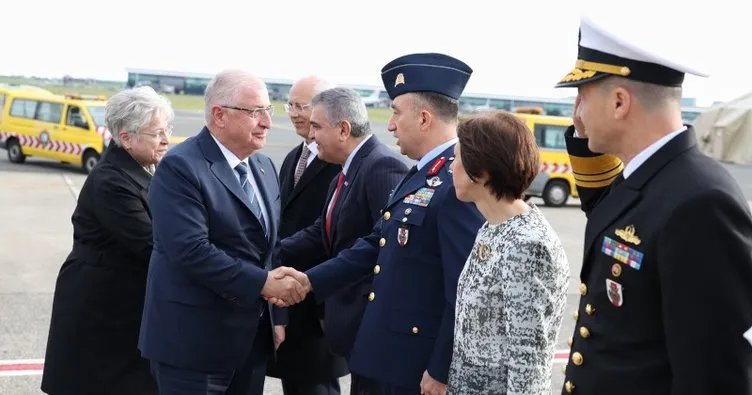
x,y
564,369
568,386
415,330
584,332
371,297
376,269
589,309
577,358
387,215
583,289
570,341
408,211
382,242
576,315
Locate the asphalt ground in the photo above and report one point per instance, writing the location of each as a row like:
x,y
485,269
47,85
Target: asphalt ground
x,y
36,203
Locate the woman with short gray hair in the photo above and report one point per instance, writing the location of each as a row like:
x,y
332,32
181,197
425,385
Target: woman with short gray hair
x,y
99,294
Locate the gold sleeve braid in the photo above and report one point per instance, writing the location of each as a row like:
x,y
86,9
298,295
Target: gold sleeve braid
x,y
595,171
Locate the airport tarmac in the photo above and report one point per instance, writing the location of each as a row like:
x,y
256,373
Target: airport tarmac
x,y
38,198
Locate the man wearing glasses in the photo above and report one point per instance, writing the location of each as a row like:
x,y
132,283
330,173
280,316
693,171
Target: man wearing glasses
x,y
304,363
206,327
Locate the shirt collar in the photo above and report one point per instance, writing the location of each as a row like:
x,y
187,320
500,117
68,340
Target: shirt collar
x,y
232,160
435,152
643,156
352,154
313,147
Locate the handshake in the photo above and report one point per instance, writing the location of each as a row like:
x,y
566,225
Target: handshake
x,y
285,286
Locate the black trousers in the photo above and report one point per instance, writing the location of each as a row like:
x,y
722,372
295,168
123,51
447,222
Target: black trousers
x,y
364,386
324,387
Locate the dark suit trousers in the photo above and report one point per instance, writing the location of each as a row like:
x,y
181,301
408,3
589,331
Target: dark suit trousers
x,y
364,386
326,387
249,380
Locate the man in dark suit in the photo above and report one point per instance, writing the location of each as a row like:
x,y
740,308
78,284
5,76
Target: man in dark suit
x,y
215,203
418,248
665,287
304,363
370,170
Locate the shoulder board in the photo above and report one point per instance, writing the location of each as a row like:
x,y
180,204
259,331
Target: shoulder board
x,y
436,166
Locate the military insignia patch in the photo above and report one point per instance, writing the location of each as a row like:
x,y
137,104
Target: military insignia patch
x,y
622,253
434,181
628,235
614,292
402,235
399,80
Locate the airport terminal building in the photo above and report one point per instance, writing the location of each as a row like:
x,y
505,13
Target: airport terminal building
x,y
195,84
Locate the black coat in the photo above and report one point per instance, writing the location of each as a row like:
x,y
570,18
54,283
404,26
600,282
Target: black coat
x,y
304,356
666,280
99,293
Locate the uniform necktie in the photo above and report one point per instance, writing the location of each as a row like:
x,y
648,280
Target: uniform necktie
x,y
245,183
328,228
302,163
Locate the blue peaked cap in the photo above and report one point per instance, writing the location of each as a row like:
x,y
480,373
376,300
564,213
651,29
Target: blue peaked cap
x,y
426,72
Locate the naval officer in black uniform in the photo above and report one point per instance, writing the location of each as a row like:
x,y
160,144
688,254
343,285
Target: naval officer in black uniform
x,y
667,273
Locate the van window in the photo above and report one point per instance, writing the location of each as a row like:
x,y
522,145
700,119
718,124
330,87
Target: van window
x,y
2,106
550,136
75,117
23,108
50,112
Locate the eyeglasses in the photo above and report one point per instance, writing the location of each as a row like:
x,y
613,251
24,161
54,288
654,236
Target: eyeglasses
x,y
253,112
161,133
296,106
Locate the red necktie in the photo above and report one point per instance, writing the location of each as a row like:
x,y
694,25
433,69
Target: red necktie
x,y
340,181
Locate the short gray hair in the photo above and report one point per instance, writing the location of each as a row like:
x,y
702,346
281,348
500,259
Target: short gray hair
x,y
652,97
224,88
344,104
133,109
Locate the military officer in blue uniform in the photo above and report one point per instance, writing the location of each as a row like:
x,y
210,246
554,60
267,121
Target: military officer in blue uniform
x,y
666,281
418,248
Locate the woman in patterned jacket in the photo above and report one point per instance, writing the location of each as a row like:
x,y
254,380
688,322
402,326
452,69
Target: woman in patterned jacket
x,y
512,290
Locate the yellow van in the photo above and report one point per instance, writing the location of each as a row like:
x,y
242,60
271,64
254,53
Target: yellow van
x,y
67,128
555,182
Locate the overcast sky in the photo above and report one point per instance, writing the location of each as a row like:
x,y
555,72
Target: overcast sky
x,y
520,48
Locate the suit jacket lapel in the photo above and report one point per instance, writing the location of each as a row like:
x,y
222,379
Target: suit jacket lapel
x,y
220,167
309,174
352,174
418,180
625,195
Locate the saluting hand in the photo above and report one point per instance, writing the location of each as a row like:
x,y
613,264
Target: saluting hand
x,y
430,386
285,286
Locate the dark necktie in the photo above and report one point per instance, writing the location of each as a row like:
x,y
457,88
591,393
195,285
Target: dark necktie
x,y
245,183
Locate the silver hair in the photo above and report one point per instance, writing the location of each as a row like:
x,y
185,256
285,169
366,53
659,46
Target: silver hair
x,y
224,87
344,104
134,109
652,97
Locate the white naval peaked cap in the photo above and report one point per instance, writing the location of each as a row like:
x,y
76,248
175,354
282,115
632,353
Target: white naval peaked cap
x,y
602,52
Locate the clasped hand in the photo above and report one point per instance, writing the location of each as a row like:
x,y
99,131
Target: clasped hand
x,y
285,286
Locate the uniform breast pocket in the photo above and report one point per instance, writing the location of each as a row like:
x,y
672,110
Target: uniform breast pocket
x,y
412,216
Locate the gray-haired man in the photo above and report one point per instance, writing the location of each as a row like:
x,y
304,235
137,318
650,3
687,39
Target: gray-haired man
x,y
370,170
